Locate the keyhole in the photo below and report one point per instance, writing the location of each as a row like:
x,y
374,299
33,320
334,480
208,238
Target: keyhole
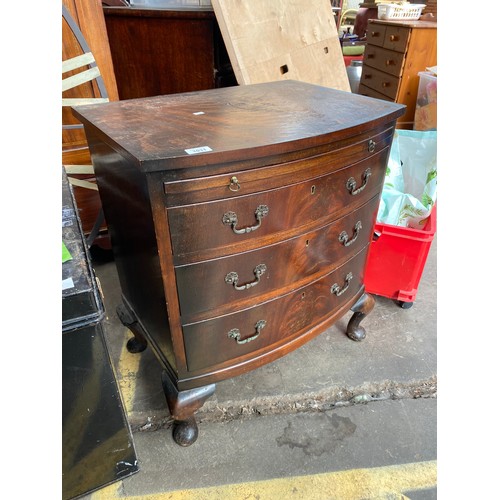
x,y
303,296
313,189
326,50
307,243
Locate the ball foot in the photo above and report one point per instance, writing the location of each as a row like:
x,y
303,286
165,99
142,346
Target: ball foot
x,y
185,432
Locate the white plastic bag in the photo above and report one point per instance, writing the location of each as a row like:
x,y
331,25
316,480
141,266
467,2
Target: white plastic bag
x,y
410,186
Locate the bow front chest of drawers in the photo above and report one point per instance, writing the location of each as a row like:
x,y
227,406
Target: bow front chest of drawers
x,y
240,220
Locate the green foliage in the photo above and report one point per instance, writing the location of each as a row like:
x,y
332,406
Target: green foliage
x,y
410,211
427,200
431,175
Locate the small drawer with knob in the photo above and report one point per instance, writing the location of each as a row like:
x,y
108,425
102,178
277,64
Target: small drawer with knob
x,y
381,82
257,329
375,34
385,60
396,38
219,286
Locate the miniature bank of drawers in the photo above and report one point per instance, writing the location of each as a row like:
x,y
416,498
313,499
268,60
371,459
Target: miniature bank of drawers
x,y
240,220
396,50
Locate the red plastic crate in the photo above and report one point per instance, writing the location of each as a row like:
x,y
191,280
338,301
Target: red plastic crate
x,y
397,258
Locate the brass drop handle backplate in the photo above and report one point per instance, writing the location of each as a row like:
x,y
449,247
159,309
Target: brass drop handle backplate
x,y
351,182
336,288
231,219
344,237
236,335
232,278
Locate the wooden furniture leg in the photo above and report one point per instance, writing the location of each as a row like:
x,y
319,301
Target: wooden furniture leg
x,y
138,342
361,309
182,405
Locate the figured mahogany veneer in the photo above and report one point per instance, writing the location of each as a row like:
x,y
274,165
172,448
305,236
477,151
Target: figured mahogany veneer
x,y
240,220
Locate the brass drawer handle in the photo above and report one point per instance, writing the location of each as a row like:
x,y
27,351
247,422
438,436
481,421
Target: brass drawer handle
x,y
375,33
386,84
351,183
234,184
344,237
394,38
371,146
339,291
231,219
236,335
232,278
389,62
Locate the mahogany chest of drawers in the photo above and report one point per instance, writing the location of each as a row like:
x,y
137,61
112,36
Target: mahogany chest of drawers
x,y
395,52
240,220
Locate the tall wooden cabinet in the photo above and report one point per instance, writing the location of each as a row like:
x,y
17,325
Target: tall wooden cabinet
x,y
395,53
166,51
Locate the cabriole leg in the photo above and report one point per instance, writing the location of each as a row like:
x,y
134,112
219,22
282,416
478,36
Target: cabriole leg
x,y
361,309
138,342
182,406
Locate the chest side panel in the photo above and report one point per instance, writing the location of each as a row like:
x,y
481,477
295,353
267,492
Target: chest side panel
x,y
127,208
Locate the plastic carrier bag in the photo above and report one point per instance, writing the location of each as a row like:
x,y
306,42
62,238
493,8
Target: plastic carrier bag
x,y
410,186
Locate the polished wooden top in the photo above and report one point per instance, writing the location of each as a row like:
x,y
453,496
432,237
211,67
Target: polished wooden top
x,y
233,123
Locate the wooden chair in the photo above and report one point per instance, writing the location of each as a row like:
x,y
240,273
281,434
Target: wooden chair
x,y
82,69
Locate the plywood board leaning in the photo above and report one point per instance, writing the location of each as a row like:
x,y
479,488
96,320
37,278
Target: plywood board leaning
x,y
282,40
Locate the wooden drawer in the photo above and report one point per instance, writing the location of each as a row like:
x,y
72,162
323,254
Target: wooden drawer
x,y
396,38
208,289
207,230
385,60
375,34
381,82
213,342
242,182
364,90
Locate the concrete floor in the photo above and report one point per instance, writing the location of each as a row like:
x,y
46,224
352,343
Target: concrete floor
x,y
333,419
